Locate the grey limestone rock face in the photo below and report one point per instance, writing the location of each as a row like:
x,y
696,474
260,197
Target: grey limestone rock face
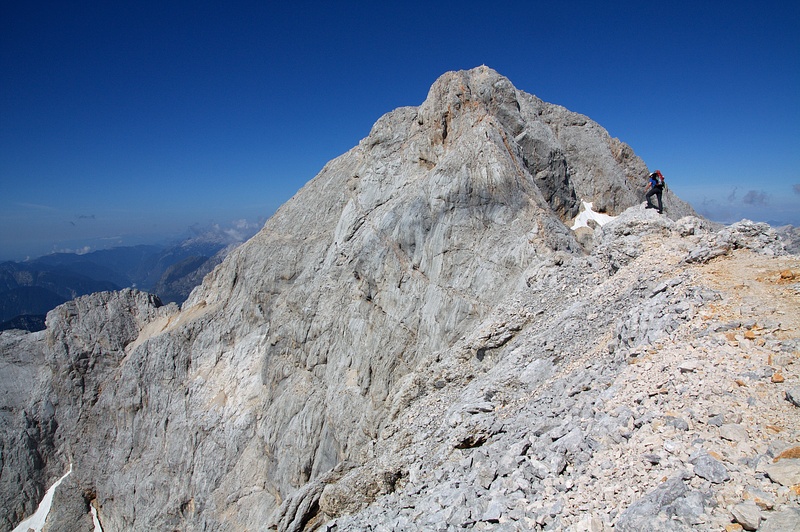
x,y
249,405
26,428
52,383
69,511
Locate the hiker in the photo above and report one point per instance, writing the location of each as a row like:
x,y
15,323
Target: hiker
x,y
656,186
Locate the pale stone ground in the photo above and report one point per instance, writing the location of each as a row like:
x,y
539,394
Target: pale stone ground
x,y
681,428
727,390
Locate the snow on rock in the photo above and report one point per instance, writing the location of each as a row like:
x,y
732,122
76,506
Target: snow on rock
x,y
587,214
95,520
36,521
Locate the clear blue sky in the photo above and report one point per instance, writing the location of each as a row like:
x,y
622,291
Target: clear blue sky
x,y
123,119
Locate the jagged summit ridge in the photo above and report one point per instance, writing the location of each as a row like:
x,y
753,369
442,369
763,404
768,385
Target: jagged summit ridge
x,y
297,356
507,151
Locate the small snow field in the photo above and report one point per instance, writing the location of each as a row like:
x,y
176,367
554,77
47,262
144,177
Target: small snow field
x,y
37,520
586,214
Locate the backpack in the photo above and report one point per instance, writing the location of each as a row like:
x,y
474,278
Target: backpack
x,y
659,178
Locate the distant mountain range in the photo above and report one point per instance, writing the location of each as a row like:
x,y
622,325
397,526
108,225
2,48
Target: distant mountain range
x,y
30,289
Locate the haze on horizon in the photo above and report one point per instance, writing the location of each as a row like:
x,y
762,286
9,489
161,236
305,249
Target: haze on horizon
x,y
129,122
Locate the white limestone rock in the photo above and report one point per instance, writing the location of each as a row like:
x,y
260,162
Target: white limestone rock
x,y
417,339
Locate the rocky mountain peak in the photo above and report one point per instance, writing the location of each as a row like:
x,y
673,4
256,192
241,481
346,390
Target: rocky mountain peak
x,y
479,93
396,315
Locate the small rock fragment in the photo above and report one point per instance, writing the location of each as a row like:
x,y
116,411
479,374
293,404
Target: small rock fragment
x,y
793,395
763,500
792,452
493,512
785,472
733,432
709,468
786,520
748,515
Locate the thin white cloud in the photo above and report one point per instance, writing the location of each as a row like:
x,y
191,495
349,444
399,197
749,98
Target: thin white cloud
x,y
77,251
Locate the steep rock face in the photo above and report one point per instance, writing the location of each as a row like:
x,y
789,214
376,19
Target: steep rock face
x,y
52,381
26,428
295,354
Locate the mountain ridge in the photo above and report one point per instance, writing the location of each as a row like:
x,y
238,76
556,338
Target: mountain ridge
x,y
402,274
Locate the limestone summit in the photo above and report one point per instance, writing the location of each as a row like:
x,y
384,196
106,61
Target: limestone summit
x,y
418,340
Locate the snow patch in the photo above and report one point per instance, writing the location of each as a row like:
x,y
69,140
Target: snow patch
x,y
36,521
95,519
587,214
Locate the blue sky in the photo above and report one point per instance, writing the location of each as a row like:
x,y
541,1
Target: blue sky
x,y
122,122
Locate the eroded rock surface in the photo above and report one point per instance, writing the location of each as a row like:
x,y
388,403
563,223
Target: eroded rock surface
x,y
417,340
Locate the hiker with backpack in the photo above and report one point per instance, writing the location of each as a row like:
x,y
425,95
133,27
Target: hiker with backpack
x,y
655,186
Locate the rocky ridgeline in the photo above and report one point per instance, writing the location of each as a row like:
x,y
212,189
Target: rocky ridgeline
x,y
656,395
417,340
